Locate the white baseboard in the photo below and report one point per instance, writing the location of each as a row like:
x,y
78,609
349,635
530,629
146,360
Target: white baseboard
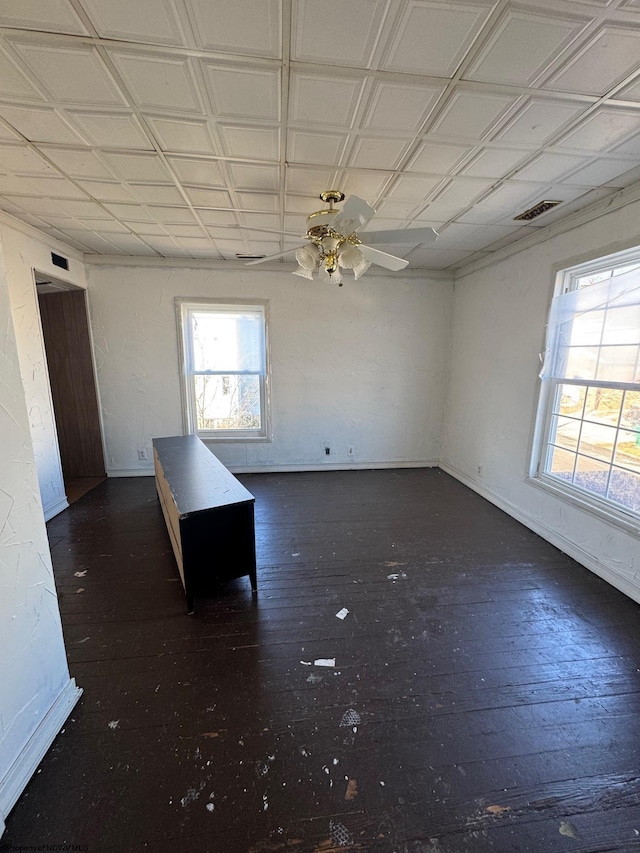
x,y
16,778
283,469
55,508
130,472
329,466
552,536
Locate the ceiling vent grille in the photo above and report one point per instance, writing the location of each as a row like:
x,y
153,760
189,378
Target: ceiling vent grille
x,y
537,210
242,256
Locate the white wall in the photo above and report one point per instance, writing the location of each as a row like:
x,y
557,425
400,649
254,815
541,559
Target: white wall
x,y
362,365
36,693
498,331
22,253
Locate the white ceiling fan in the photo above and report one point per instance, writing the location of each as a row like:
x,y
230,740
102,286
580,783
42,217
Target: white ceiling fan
x,y
335,244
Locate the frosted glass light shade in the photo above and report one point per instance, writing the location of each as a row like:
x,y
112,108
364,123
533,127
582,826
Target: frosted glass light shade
x,y
308,257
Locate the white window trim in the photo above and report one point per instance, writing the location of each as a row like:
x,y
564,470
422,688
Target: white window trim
x,y
583,499
182,305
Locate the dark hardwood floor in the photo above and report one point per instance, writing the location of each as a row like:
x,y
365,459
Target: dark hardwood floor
x,y
485,694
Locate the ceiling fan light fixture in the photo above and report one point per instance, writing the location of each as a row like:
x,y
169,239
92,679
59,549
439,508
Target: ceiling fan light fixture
x,y
330,277
361,268
308,257
350,256
303,273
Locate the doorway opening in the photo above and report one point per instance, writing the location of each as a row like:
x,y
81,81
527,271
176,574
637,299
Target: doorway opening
x,y
67,341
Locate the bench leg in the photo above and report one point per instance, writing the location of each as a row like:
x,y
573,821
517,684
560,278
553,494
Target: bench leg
x,y
253,577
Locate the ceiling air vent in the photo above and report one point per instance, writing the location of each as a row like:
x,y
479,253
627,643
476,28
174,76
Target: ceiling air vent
x,y
537,210
242,256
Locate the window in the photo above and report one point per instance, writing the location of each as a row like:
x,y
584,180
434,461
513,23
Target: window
x,y
224,369
589,444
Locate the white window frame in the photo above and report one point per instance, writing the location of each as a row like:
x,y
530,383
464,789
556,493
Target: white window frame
x,y
601,506
184,305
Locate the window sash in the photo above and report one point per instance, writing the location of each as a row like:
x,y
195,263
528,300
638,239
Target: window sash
x,y
186,310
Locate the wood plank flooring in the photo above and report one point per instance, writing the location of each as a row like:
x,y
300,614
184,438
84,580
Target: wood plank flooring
x,y
485,694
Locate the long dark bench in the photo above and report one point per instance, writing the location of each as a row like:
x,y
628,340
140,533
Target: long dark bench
x,y
208,513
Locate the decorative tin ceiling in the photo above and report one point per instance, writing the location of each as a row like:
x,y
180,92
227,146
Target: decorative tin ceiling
x,y
201,128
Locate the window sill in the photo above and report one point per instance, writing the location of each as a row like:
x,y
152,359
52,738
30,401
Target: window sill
x,y
240,439
607,513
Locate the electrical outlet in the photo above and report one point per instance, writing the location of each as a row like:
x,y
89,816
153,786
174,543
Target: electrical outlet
x,y
327,450
350,450
142,454
480,470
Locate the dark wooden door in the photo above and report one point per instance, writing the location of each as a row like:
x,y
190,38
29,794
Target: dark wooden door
x,y
73,389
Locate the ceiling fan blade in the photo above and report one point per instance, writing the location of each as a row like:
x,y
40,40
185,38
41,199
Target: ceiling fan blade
x,y
354,215
410,236
383,259
272,257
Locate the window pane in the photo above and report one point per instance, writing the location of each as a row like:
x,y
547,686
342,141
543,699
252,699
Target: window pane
x,y
570,400
625,489
586,329
617,364
593,278
565,432
227,402
561,463
592,475
631,410
622,325
597,440
581,362
227,341
603,405
628,450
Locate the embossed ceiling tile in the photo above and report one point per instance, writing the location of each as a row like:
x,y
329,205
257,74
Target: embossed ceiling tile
x,y
494,162
471,115
157,193
220,218
138,167
23,160
438,259
72,75
244,92
55,16
151,229
83,209
229,247
105,226
249,177
8,135
309,182
129,244
206,197
324,100
169,215
179,230
130,212
159,82
150,21
250,28
52,187
606,59
190,136
630,148
316,148
261,220
196,246
40,206
79,163
107,191
602,171
261,247
602,130
110,130
515,196
413,189
433,37
550,166
538,120
398,209
371,152
631,93
523,46
167,247
351,42
399,107
366,185
197,171
266,202
463,191
251,142
91,241
15,83
40,124
438,158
